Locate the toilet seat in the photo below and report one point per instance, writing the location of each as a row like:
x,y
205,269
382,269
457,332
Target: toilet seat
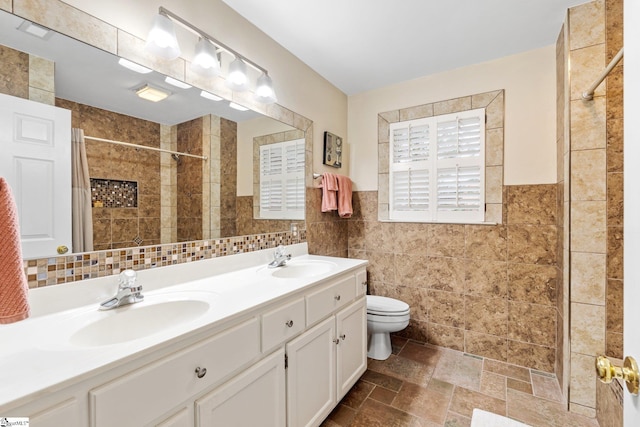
x,y
383,306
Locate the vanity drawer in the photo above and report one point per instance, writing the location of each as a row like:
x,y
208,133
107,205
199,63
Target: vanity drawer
x,y
282,323
143,395
325,301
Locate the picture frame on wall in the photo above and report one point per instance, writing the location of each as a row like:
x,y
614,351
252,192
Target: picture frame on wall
x,y
332,150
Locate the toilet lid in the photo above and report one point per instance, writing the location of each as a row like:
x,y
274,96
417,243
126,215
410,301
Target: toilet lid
x,y
385,306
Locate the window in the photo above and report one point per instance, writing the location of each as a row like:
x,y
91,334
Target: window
x,y
282,180
436,168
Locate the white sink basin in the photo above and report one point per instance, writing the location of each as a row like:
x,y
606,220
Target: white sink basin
x,y
301,269
170,312
137,321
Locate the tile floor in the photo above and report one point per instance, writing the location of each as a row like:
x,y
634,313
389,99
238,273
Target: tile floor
x,y
426,386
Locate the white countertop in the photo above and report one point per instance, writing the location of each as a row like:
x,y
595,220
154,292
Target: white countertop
x,y
36,353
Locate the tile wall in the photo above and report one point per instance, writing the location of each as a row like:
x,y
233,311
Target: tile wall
x,y
615,196
26,76
71,268
229,177
590,160
190,186
488,290
115,228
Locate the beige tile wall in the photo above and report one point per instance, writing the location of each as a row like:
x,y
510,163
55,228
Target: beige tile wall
x,y
615,196
26,76
587,203
190,184
488,290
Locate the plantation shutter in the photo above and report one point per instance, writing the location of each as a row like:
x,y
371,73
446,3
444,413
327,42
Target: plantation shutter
x,y
460,167
436,168
282,180
409,170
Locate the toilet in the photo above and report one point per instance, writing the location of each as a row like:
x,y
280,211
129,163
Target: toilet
x,y
384,315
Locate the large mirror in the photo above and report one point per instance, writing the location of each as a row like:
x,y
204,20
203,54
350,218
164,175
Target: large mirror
x,y
142,197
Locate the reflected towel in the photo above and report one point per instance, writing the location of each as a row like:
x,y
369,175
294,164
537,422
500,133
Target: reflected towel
x,y
329,189
345,209
14,302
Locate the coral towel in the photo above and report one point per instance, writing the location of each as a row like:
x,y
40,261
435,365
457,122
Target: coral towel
x,y
345,209
329,189
14,302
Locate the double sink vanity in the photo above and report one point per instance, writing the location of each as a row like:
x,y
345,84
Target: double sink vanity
x,y
226,341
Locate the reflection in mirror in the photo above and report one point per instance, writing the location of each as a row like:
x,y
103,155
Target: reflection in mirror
x,y
142,197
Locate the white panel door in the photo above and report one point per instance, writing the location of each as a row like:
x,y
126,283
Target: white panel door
x,y
631,198
35,141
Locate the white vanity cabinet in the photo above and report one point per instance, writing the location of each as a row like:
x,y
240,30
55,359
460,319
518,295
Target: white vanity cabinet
x,y
284,362
327,360
144,395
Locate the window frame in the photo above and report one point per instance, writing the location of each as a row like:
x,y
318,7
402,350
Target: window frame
x,y
299,175
433,164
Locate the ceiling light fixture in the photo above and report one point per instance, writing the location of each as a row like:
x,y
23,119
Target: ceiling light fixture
x,y
210,96
264,90
162,42
151,93
237,107
35,30
177,83
237,78
206,60
133,66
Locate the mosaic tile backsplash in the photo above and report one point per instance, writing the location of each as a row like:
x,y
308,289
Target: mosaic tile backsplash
x,y
71,268
112,193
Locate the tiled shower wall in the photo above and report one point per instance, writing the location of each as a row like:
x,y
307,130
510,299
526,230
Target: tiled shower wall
x,y
190,189
115,228
592,162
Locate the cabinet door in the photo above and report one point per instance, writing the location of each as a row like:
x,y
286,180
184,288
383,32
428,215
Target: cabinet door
x,y
351,329
311,387
254,398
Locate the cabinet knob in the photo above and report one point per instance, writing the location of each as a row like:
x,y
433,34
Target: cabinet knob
x,y
342,337
337,297
336,341
201,372
289,323
364,283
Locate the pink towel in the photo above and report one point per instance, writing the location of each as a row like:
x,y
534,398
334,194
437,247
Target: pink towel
x,y
345,209
329,189
14,302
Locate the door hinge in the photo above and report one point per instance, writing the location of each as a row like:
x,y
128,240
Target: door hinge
x,y
286,361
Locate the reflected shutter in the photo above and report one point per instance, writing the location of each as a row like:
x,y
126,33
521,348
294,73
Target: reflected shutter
x,y
282,180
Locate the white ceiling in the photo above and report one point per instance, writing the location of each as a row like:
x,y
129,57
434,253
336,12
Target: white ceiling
x,y
360,45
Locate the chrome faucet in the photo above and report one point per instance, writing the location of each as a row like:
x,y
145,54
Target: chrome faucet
x,y
280,257
128,292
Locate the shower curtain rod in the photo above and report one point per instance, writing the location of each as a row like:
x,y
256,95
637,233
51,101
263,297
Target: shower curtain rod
x,y
588,95
128,144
